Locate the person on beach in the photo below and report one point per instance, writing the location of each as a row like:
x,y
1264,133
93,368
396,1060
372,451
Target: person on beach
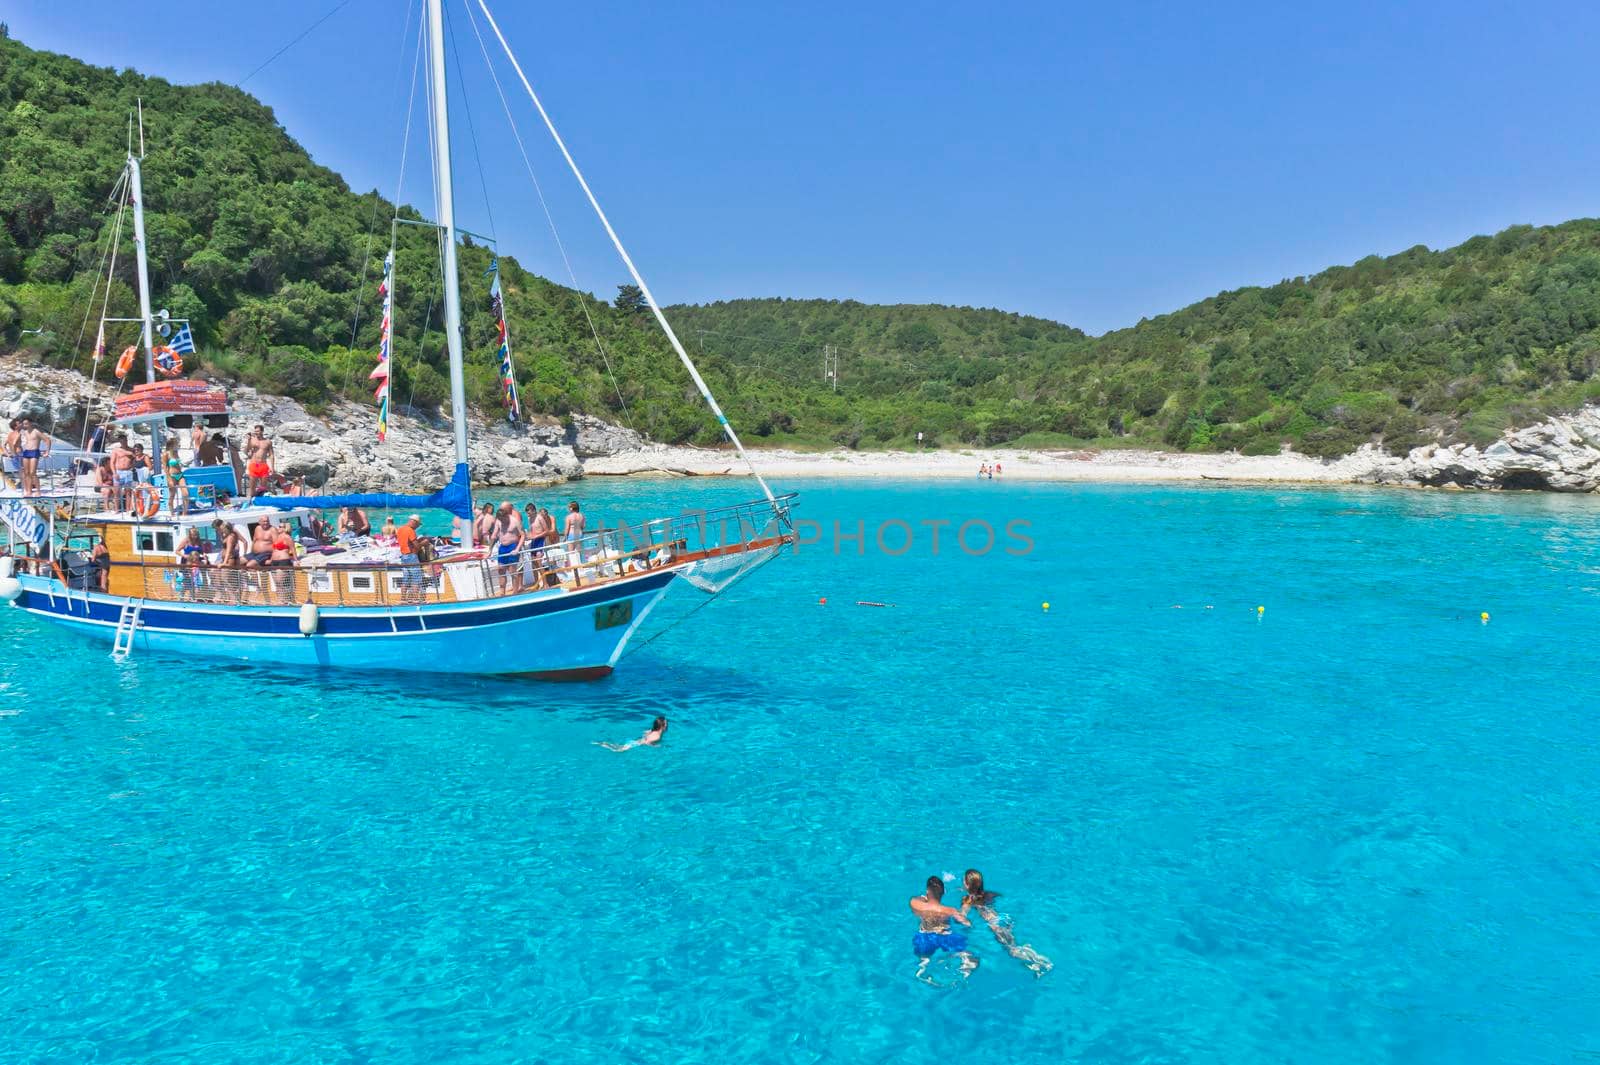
x,y
997,469
983,900
651,737
258,450
933,930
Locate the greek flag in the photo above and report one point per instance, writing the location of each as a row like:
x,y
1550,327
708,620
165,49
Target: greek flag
x,y
183,341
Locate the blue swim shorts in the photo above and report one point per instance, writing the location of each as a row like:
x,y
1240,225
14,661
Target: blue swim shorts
x,y
926,944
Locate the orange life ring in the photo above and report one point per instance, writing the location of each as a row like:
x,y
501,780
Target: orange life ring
x,y
125,363
152,498
168,362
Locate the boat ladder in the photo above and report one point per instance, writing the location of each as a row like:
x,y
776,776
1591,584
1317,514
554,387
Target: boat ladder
x,y
127,625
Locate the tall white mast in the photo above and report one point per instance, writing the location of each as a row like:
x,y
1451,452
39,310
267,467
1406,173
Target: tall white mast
x,y
447,223
136,190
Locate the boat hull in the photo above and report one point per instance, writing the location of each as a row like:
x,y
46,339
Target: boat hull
x,y
552,635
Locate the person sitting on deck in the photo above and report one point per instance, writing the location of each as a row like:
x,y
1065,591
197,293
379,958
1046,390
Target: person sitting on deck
x,y
317,530
389,531
651,738
353,520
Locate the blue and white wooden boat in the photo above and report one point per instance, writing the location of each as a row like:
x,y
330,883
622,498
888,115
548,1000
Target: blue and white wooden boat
x,y
565,611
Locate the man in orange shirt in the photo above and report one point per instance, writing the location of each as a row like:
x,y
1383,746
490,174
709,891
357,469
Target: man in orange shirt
x,y
406,537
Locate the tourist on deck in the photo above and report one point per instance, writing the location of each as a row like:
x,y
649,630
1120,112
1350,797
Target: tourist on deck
x,y
141,464
485,528
573,530
13,464
353,520
169,450
933,931
316,529
260,544
105,482
32,445
100,558
507,546
652,736
197,440
177,487
212,452
406,539
192,554
999,924
123,472
258,451
389,531
283,559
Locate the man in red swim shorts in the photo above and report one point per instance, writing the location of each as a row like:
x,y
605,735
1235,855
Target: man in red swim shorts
x,y
258,454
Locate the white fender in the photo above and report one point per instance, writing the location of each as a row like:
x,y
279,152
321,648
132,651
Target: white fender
x,y
310,619
8,566
10,588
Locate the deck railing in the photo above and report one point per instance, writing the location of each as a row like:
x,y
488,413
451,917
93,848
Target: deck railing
x,y
600,557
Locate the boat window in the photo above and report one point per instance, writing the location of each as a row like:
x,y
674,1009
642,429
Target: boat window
x,y
359,582
321,582
152,541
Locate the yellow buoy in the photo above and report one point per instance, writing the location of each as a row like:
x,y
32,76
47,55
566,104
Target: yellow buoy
x,y
1046,607
1261,610
1484,616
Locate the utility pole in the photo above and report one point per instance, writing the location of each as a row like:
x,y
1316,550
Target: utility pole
x,y
830,365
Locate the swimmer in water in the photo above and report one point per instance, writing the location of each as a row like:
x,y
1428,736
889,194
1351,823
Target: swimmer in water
x,y
981,898
652,736
934,935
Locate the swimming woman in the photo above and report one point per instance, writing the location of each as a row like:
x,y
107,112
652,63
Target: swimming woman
x,y
983,899
652,736
933,930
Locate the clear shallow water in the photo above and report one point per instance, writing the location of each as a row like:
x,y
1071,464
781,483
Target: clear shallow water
x,y
1360,828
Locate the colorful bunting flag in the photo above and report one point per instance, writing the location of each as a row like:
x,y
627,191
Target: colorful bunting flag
x,y
508,379
380,373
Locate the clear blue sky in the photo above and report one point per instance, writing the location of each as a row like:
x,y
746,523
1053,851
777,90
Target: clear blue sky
x,y
1092,163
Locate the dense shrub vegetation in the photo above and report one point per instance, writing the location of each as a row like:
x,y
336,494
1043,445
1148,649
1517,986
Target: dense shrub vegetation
x,y
271,256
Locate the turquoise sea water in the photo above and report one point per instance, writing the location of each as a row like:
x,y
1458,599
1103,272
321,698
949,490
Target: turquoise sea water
x,y
1359,827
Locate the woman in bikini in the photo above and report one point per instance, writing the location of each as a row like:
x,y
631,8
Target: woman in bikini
x,y
982,899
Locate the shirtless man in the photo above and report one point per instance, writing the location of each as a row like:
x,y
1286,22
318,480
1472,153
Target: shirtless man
x,y
258,452
485,529
353,520
508,544
32,445
933,930
122,473
261,544
197,440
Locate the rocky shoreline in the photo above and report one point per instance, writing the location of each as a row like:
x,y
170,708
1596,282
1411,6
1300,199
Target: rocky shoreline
x,y
338,451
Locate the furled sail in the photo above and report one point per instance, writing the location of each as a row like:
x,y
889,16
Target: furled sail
x,y
455,497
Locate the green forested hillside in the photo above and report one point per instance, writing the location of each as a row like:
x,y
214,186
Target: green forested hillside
x,y
272,256
1461,343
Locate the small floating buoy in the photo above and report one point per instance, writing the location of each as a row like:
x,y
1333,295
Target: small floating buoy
x,y
823,601
1260,610
1484,617
1045,607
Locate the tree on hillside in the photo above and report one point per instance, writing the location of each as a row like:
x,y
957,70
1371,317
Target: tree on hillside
x,y
630,300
